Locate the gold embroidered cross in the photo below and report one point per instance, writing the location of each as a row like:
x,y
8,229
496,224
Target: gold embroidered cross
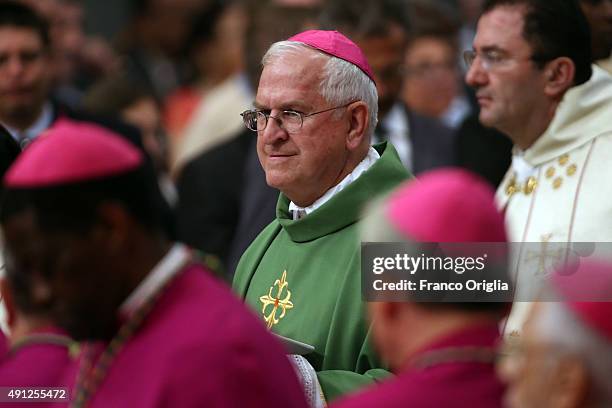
x,y
284,304
550,251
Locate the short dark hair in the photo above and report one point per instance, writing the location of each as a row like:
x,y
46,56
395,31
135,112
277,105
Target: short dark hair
x,y
19,15
73,207
554,28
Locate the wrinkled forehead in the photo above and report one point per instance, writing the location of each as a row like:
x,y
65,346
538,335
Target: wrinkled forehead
x,y
296,76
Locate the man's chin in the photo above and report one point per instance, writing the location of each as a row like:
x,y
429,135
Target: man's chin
x,y
486,120
275,180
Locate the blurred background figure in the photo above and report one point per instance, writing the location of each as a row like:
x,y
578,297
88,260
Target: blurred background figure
x,y
77,59
432,77
119,97
599,14
442,352
214,51
564,357
153,41
25,77
381,29
27,106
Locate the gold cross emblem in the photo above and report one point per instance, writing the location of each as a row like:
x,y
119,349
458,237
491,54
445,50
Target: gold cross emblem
x,y
277,302
546,257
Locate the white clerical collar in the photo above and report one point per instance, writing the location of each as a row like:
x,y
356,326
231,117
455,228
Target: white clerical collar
x,y
365,164
521,168
40,125
165,269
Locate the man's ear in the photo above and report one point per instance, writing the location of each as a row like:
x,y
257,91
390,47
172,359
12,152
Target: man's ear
x,y
359,115
559,76
113,227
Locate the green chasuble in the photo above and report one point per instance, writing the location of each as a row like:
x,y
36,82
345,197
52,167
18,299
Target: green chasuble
x,y
303,278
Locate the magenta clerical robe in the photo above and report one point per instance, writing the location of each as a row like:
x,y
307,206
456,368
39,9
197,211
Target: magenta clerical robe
x,y
43,360
443,382
199,347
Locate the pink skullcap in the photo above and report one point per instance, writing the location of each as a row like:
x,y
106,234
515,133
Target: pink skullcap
x,y
336,44
586,289
70,152
447,205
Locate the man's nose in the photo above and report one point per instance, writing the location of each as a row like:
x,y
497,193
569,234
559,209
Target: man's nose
x,y
14,66
476,75
273,131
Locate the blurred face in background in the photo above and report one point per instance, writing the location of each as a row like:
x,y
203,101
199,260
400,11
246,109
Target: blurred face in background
x,y
385,53
146,116
431,76
66,19
24,75
68,38
164,24
221,56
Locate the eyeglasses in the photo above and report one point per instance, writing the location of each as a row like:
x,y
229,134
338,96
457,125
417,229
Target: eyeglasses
x,y
291,121
491,59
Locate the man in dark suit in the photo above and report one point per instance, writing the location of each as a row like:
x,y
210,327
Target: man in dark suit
x,y
26,106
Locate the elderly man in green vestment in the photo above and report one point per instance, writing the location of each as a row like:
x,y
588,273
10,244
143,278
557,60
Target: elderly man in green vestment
x,y
315,111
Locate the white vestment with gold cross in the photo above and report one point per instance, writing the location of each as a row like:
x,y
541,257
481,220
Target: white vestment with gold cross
x,y
564,193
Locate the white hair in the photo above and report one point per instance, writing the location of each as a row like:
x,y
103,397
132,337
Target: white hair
x,y
556,324
342,82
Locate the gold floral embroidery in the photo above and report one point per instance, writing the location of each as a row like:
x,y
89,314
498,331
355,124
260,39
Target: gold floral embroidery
x,y
277,302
